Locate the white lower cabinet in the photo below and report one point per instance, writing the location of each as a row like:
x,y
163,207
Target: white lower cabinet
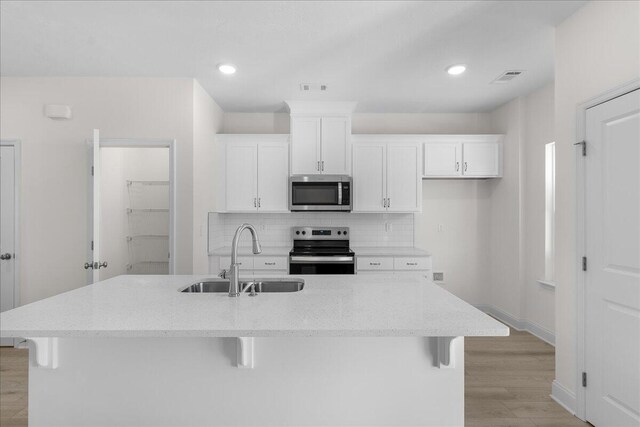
x,y
256,265
386,177
391,264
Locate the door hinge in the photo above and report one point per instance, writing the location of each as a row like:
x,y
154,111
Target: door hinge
x,y
92,245
584,379
584,263
584,147
91,170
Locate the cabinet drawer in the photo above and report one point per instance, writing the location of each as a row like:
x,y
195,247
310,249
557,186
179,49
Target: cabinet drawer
x,y
411,263
375,263
245,262
270,263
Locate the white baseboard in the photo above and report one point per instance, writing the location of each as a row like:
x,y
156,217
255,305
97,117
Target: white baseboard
x,y
519,324
563,397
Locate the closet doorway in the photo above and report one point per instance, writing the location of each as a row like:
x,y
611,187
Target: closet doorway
x,y
132,208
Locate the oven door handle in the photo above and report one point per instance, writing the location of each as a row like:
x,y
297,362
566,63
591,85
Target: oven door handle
x,y
321,259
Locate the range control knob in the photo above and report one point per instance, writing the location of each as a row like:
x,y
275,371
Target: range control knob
x,y
344,232
298,232
339,233
304,232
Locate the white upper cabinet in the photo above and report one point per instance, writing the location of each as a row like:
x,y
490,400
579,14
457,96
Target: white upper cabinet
x,y
386,177
273,177
462,156
404,185
241,176
254,172
369,177
335,147
320,137
442,158
305,145
481,159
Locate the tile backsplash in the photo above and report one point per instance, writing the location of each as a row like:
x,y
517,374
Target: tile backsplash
x,y
275,229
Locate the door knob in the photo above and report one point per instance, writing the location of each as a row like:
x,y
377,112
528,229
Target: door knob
x,y
88,265
95,265
102,264
5,256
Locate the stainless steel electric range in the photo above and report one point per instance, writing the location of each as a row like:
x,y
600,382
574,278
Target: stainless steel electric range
x,y
321,250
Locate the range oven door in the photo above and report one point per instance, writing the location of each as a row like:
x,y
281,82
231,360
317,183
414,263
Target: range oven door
x,y
321,264
320,193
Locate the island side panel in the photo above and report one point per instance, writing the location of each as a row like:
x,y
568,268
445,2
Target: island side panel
x,y
296,381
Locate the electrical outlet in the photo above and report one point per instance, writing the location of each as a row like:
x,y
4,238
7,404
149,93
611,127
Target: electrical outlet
x,y
438,276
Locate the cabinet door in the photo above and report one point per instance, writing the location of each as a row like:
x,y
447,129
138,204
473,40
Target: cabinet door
x,y
273,177
442,159
369,177
241,177
404,182
335,148
305,145
481,159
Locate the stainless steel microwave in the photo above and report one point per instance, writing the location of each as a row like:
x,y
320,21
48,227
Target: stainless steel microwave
x,y
320,193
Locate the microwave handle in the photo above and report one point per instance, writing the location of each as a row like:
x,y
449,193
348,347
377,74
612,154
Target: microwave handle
x,y
339,194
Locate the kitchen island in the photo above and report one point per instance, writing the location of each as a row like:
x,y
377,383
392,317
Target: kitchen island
x,y
346,350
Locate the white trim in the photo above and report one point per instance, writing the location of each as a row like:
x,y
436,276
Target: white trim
x,y
158,143
519,324
320,108
468,138
563,397
17,184
580,230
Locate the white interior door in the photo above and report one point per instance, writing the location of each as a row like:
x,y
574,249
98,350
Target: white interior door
x,y
612,280
403,178
273,177
7,232
93,259
369,177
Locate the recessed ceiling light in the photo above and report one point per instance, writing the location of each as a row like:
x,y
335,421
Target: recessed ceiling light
x,y
456,70
227,68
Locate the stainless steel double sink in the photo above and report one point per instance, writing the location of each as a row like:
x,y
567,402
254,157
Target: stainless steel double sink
x,y
255,285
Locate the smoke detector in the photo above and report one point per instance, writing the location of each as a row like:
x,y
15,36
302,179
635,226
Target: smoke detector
x,y
313,87
507,76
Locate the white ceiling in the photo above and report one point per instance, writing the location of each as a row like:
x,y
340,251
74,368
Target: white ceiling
x,y
389,56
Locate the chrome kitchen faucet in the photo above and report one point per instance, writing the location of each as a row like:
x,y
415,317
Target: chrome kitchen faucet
x,y
234,270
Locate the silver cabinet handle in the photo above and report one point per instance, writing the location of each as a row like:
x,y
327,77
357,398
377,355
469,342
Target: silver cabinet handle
x,y
457,166
269,263
318,166
389,202
259,201
322,166
384,202
412,263
374,263
465,166
5,256
255,203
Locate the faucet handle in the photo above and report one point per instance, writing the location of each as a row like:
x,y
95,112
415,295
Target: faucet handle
x,y
223,274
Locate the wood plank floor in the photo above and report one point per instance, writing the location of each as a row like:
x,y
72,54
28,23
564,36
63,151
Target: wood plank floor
x,y
507,381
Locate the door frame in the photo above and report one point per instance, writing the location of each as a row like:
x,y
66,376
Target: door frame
x,y
152,143
581,230
17,171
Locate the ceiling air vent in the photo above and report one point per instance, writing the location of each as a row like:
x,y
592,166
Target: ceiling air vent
x,y
312,87
507,76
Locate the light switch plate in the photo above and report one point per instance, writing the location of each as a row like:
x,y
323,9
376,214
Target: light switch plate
x,y
438,276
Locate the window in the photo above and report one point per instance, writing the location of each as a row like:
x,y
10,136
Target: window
x,y
550,212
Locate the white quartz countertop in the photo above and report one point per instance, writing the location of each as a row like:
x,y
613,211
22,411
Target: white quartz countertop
x,y
389,251
351,306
